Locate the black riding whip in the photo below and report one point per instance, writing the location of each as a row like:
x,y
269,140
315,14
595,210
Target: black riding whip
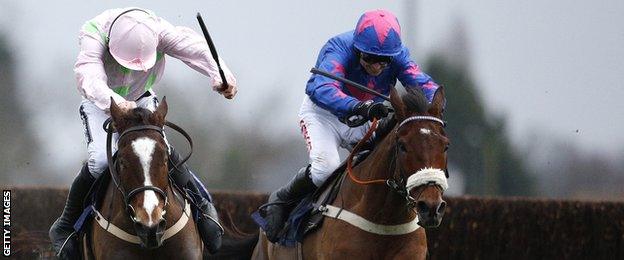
x,y
352,83
213,51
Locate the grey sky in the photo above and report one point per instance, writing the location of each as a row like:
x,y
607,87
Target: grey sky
x,y
549,65
552,66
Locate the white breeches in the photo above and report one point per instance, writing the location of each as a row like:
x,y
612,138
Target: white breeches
x,y
324,134
95,136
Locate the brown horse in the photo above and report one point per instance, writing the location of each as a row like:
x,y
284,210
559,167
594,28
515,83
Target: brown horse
x,y
142,215
379,211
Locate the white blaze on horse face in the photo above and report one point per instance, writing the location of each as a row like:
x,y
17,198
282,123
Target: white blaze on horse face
x,y
144,149
425,131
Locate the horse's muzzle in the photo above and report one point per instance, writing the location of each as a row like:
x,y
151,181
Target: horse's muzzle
x,y
430,213
151,237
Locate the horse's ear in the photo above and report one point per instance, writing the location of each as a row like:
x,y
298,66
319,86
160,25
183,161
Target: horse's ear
x,y
439,102
397,104
160,112
115,111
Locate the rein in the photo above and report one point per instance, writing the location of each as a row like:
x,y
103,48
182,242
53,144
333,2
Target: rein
x,y
355,151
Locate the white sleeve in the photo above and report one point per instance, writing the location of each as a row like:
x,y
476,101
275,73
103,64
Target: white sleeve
x,y
90,73
191,48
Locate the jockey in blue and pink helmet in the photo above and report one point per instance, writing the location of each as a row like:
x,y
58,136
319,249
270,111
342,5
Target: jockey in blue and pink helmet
x,y
379,33
371,55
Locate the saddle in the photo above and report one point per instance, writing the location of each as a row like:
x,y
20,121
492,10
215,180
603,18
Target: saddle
x,y
307,216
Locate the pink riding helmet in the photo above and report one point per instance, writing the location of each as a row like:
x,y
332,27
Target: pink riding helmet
x,y
378,32
133,39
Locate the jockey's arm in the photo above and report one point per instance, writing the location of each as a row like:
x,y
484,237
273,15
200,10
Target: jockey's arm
x,y
90,74
191,48
326,92
412,76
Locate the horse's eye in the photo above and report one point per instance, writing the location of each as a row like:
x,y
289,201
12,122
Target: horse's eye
x,y
446,147
402,147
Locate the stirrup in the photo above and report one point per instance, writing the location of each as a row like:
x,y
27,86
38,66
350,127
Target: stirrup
x,y
58,254
206,214
216,222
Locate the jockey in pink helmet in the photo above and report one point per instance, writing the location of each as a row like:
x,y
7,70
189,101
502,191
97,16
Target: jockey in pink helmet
x,y
371,55
122,55
133,40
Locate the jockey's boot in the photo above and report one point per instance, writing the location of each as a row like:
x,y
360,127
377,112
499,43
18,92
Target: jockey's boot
x,y
210,230
208,225
64,239
282,201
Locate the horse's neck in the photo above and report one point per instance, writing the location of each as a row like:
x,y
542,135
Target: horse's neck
x,y
114,208
376,202
176,205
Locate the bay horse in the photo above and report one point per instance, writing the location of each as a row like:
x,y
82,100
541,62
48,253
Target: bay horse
x,y
142,215
381,207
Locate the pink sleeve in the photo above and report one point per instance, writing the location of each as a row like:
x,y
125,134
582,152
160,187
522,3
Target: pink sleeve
x,y
191,48
90,74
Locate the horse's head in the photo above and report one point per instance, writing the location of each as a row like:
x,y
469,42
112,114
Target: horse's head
x,y
421,146
142,169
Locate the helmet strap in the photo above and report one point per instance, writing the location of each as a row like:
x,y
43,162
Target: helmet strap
x,y
114,20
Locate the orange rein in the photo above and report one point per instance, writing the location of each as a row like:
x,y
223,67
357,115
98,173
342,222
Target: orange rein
x,y
355,150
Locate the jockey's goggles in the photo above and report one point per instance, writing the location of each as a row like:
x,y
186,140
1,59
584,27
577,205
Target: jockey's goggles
x,y
372,59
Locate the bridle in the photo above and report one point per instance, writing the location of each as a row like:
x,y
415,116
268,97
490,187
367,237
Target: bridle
x,y
400,184
425,176
112,166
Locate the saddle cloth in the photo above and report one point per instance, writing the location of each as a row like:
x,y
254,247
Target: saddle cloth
x,y
306,216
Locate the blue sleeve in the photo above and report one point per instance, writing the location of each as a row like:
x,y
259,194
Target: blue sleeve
x,y
327,93
411,76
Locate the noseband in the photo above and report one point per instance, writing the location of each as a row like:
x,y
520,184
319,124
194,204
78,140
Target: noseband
x,y
425,176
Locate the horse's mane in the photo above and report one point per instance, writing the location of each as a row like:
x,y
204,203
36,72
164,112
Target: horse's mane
x,y
137,116
415,100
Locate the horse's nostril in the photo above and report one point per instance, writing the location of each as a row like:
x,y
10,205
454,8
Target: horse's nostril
x,y
422,207
441,207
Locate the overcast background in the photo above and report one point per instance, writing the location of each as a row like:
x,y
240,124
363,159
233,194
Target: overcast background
x,y
552,69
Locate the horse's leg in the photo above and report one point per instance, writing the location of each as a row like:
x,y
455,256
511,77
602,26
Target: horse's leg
x,y
186,244
417,248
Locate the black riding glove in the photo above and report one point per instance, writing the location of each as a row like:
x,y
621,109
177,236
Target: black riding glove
x,y
370,110
365,111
